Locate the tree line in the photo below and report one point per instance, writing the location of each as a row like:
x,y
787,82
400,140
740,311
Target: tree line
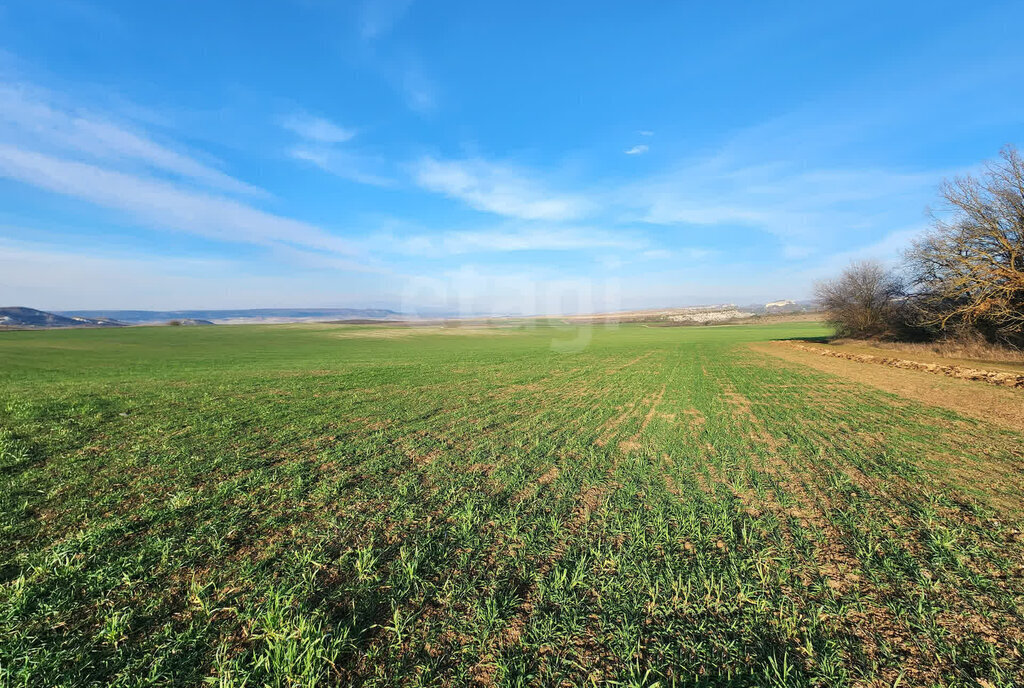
x,y
964,278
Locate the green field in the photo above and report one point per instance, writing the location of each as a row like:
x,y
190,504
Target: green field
x,y
340,505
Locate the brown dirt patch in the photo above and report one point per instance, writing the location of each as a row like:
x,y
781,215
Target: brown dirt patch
x,y
629,363
612,424
999,405
694,417
758,432
589,501
634,441
670,483
970,354
993,377
548,477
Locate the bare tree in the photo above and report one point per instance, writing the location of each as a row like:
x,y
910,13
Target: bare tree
x,y
864,301
969,270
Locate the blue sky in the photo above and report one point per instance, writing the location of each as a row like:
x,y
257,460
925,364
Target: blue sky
x,y
476,157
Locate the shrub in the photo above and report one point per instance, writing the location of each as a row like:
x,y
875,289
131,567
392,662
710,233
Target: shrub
x,y
866,300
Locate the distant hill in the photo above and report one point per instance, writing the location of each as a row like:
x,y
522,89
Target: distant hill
x,y
781,307
237,315
19,317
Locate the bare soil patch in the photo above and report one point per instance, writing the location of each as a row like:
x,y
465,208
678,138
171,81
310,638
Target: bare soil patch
x,y
620,368
759,433
610,427
549,477
634,441
994,377
971,354
999,405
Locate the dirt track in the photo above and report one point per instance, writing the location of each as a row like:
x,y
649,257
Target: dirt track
x,y
997,404
993,377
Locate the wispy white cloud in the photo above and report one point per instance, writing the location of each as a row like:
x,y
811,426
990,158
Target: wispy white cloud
x,y
35,118
496,188
779,198
506,240
327,260
163,204
419,90
797,251
638,149
399,63
646,132
378,17
687,254
321,145
888,249
317,129
540,239
811,209
352,166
